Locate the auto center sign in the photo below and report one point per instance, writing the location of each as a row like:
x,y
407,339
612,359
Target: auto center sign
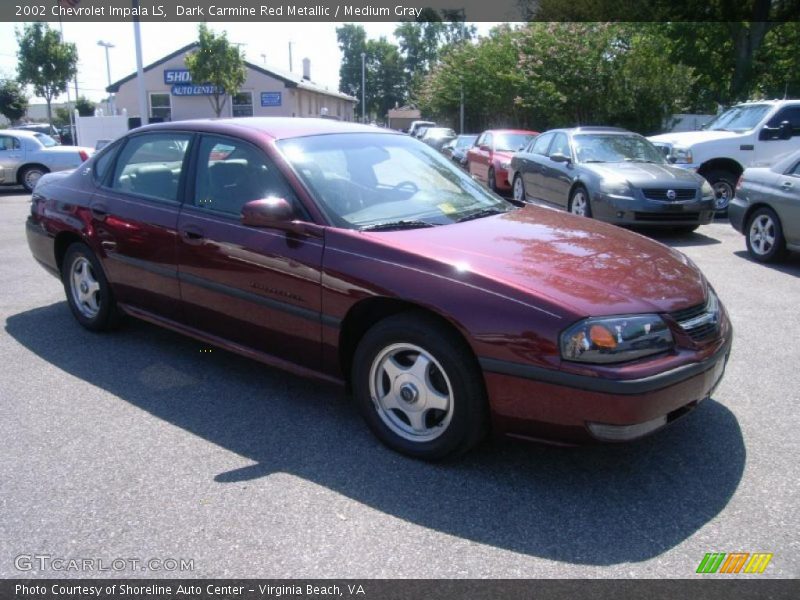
x,y
182,85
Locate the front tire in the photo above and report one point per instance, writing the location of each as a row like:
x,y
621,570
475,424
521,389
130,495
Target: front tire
x,y
519,189
764,235
579,202
30,176
88,292
491,180
724,184
419,388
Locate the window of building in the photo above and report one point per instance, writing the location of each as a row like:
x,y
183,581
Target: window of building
x,y
160,107
242,104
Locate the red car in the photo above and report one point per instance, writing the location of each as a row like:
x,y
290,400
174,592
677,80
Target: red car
x,y
489,159
364,258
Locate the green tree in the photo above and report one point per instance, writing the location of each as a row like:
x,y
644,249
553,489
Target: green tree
x,y
352,42
13,101
386,83
216,62
85,107
45,62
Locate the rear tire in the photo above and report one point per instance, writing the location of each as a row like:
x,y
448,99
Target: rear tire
x,y
88,292
419,387
764,236
491,180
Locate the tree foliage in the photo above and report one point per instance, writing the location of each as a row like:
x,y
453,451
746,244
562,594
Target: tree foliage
x,y
85,107
216,62
45,62
545,75
13,101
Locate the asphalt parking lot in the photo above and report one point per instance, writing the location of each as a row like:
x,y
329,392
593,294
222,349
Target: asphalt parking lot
x,y
139,445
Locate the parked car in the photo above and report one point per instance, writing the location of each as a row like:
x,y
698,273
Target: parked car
x,y
436,137
360,256
741,137
613,175
456,149
413,129
489,159
44,128
766,209
25,156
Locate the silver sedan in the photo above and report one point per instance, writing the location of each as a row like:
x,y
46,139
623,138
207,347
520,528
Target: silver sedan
x,y
25,156
766,208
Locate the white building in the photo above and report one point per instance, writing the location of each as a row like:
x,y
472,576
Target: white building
x,y
172,96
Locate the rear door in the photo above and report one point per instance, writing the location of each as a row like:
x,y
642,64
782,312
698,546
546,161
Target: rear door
x,y
135,216
534,171
788,206
256,287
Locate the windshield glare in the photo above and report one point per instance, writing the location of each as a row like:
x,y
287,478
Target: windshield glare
x,y
739,118
45,140
464,141
615,148
511,142
363,180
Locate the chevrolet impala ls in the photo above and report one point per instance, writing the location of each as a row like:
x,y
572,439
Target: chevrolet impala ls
x,y
366,258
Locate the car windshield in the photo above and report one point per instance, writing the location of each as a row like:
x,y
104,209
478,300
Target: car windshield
x,y
615,148
739,118
511,142
385,181
45,140
439,132
465,141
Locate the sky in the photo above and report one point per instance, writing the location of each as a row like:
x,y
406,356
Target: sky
x,y
315,41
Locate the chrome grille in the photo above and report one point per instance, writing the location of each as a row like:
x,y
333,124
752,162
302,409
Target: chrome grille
x,y
663,194
698,321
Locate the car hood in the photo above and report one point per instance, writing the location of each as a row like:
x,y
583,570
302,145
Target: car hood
x,y
691,138
581,265
645,174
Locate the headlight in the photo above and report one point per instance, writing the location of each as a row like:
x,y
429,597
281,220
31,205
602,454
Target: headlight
x,y
682,156
505,166
708,191
615,339
616,188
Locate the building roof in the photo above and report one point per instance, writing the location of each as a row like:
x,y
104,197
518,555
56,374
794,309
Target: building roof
x,y
289,79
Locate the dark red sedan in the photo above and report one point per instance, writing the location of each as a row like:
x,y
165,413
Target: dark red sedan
x,y
365,258
489,159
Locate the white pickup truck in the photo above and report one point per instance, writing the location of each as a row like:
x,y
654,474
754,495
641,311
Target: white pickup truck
x,y
743,136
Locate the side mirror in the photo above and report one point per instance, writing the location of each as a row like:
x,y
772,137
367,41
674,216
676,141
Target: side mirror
x,y
785,130
267,212
561,158
484,148
672,159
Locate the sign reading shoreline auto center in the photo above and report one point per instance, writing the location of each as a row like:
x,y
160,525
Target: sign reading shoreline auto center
x,y
182,84
270,98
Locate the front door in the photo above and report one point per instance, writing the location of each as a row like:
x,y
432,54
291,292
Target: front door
x,y
11,155
256,287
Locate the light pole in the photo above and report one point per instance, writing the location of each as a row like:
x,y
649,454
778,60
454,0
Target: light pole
x,y
140,88
108,45
461,111
363,87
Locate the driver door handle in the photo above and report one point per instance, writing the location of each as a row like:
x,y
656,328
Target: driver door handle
x,y
192,235
787,185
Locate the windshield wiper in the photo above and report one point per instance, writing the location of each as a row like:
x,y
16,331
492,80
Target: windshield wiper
x,y
594,161
641,160
479,214
387,225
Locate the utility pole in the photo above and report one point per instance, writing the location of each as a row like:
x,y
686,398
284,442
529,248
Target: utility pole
x,y
290,56
363,87
137,37
461,115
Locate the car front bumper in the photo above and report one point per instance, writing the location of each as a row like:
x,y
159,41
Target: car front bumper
x,y
556,407
642,211
736,213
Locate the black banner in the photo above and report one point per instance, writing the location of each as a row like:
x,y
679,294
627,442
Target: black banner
x,y
397,10
716,588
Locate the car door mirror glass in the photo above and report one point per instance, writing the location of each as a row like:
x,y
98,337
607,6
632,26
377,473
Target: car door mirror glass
x,y
484,148
267,212
559,157
785,130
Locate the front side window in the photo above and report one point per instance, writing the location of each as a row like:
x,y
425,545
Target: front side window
x,y
374,181
231,173
614,148
791,114
151,165
541,144
242,104
161,106
560,145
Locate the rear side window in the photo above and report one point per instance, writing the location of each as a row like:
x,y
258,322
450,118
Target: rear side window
x,y
103,163
9,143
151,165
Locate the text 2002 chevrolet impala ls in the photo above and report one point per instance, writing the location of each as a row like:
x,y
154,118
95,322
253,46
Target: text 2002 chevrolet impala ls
x,y
366,258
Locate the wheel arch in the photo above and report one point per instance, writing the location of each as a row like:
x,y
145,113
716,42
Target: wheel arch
x,y
752,209
64,240
728,165
366,313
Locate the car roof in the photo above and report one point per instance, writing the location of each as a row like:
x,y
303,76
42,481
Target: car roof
x,y
527,131
274,127
28,133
